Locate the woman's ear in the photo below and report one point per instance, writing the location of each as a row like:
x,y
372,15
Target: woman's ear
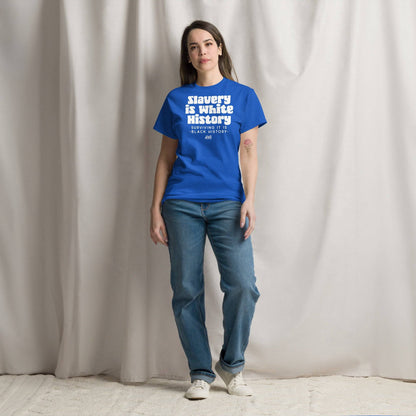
x,y
220,49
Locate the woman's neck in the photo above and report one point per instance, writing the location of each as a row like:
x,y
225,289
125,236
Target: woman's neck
x,y
206,79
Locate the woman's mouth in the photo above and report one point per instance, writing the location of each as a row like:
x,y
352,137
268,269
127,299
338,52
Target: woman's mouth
x,y
203,61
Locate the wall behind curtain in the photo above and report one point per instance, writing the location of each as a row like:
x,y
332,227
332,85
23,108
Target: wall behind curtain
x,y
83,290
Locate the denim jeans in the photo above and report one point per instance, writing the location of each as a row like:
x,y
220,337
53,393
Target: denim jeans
x,y
188,224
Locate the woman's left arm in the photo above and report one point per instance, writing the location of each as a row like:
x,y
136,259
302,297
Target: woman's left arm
x,y
249,167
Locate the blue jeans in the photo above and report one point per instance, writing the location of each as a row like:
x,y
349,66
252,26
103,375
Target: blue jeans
x,y
187,224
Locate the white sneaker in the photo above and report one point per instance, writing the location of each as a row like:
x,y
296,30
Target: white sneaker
x,y
198,390
234,382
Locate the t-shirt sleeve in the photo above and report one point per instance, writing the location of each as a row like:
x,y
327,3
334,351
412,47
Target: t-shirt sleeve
x,y
253,113
164,121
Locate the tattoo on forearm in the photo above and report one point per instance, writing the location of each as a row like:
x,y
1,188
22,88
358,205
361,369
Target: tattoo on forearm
x,y
248,143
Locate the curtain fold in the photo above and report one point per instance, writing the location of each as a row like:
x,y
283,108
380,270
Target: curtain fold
x,y
83,290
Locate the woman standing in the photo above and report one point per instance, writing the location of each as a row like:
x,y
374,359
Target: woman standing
x,y
206,123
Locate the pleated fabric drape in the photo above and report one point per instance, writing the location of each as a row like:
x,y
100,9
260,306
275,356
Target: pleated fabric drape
x,y
84,291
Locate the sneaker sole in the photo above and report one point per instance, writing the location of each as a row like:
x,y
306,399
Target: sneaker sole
x,y
196,398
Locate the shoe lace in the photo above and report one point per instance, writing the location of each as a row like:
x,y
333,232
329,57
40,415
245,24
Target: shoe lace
x,y
199,384
238,380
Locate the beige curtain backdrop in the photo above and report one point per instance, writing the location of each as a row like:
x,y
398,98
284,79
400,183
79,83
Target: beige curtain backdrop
x,y
83,290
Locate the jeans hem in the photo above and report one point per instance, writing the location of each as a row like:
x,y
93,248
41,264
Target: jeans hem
x,y
199,376
231,369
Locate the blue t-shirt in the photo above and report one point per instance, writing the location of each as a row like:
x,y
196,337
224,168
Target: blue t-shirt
x,y
207,122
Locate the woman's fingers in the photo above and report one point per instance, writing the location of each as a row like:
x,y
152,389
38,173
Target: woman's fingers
x,y
163,235
243,217
158,232
251,224
251,221
159,236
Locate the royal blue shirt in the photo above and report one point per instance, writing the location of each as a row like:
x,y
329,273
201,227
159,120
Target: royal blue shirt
x,y
207,122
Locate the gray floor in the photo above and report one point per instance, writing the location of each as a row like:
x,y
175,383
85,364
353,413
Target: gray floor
x,y
32,395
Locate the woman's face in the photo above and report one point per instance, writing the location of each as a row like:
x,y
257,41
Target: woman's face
x,y
203,51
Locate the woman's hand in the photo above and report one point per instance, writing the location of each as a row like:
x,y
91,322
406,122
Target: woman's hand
x,y
158,229
247,210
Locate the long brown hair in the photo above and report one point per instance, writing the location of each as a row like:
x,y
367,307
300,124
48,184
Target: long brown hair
x,y
187,71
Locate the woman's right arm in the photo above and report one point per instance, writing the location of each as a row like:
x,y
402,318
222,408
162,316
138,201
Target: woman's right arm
x,y
167,157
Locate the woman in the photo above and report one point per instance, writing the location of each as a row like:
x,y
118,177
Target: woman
x,y
198,191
